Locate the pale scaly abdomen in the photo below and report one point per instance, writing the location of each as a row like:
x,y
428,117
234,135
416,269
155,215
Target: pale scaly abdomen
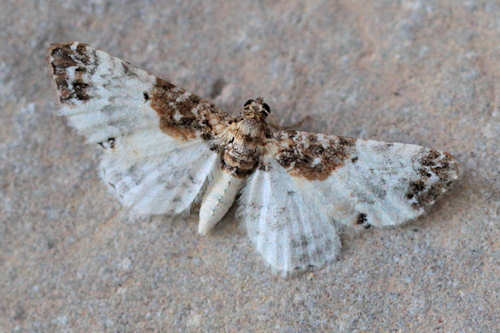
x,y
218,199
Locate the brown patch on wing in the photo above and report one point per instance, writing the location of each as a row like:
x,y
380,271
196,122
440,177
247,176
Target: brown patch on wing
x,y
433,163
62,57
183,115
313,156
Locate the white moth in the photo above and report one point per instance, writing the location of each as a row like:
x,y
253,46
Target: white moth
x,y
167,149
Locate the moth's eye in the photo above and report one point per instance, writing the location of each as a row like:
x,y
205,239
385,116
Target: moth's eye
x,y
248,102
267,108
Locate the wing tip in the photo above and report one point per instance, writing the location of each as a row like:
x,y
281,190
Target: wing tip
x,y
453,166
438,172
61,51
69,61
54,46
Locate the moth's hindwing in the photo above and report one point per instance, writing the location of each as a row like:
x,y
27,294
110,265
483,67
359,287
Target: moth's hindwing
x,y
288,226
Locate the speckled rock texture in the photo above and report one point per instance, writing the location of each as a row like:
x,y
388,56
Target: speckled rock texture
x,y
413,71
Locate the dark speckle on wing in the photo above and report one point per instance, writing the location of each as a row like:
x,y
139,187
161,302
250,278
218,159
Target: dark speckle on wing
x,y
63,60
183,115
313,156
437,170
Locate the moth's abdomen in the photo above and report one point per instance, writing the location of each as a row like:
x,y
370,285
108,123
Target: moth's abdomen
x,y
218,199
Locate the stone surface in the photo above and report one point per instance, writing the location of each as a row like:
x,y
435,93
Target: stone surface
x,y
425,72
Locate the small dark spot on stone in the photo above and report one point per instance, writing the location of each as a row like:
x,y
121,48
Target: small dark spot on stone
x,y
397,93
367,226
354,159
146,96
20,313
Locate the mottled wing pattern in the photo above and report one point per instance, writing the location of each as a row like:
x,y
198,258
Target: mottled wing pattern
x,y
167,177
156,136
288,226
363,181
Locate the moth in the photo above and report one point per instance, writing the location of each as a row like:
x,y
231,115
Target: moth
x,y
167,150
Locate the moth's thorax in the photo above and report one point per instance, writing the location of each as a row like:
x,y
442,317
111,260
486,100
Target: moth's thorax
x,y
243,146
250,129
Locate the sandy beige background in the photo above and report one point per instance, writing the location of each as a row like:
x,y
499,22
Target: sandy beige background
x,y
413,71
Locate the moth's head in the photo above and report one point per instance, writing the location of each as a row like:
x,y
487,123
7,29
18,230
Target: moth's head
x,y
256,108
